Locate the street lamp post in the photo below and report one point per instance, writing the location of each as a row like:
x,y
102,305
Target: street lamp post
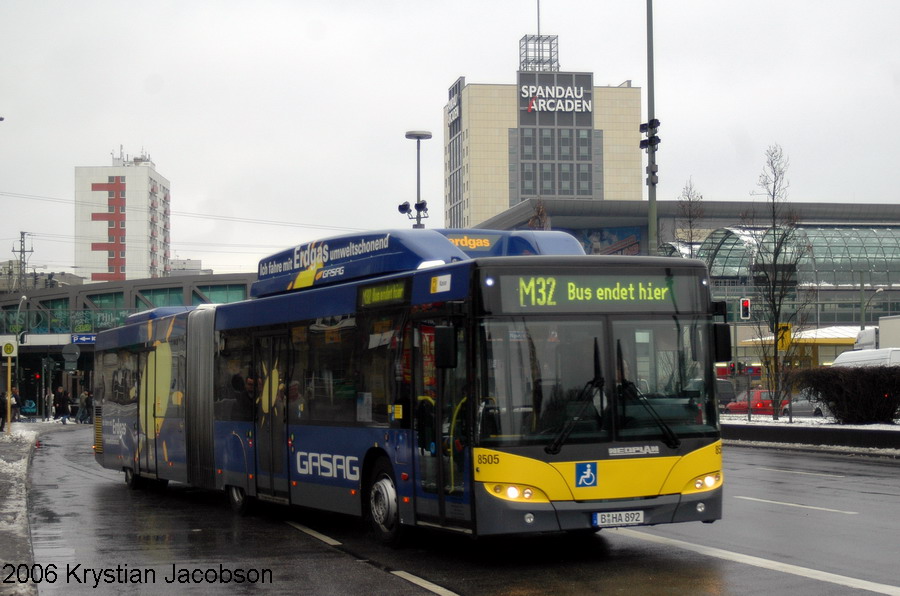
x,y
421,207
862,322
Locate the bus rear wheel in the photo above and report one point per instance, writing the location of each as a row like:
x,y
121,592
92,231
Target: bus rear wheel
x,y
383,509
133,480
238,499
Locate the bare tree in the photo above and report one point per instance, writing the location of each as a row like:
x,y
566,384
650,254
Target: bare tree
x,y
539,220
777,248
690,212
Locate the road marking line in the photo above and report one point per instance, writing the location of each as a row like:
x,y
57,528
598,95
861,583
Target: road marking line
x,y
424,583
798,505
804,473
414,579
841,580
314,534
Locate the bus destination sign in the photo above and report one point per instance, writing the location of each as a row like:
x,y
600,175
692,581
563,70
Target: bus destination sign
x,y
394,292
573,293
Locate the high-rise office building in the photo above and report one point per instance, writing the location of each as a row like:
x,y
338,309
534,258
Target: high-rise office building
x,y
121,220
552,135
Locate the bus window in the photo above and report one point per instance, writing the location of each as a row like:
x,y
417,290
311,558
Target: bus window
x,y
658,363
534,377
235,379
376,365
333,378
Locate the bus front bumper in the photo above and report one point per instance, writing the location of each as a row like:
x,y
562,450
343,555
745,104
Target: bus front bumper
x,y
499,516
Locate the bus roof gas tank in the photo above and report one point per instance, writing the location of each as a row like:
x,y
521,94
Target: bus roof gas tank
x,y
360,256
497,243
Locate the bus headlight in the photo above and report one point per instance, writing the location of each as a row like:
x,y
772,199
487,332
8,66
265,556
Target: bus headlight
x,y
517,492
707,481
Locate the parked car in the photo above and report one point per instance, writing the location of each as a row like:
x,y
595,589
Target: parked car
x,y
879,357
805,404
760,400
724,392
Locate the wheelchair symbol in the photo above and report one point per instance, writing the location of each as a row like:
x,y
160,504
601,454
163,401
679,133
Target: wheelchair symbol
x,y
585,475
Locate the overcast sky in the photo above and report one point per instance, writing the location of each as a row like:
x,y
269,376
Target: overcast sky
x,y
290,115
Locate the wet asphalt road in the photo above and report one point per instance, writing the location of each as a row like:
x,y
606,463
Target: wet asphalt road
x,y
102,538
795,522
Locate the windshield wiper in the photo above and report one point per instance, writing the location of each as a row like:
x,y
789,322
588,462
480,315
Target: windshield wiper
x,y
626,386
585,399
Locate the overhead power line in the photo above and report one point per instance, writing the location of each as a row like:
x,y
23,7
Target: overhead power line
x,y
207,216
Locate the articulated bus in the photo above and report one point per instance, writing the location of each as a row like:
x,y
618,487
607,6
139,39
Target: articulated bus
x,y
485,382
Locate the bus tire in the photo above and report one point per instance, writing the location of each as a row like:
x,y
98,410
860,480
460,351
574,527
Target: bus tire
x,y
133,480
382,504
238,499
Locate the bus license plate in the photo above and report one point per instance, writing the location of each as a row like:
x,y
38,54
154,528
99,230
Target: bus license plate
x,y
618,518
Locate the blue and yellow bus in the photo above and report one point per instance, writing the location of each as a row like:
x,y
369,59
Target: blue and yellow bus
x,y
477,381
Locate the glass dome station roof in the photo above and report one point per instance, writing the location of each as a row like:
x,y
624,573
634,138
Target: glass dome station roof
x,y
836,255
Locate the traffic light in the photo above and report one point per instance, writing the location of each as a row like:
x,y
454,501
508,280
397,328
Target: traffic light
x,y
650,129
745,308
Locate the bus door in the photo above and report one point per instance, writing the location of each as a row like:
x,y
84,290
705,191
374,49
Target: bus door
x,y
146,435
443,444
270,393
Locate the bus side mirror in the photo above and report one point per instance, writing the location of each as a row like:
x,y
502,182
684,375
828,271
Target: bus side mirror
x,y
445,347
723,342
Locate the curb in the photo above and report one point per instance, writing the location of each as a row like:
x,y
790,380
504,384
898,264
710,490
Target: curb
x,y
835,437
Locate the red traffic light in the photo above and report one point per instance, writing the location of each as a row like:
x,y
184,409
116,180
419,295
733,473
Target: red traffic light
x,y
745,308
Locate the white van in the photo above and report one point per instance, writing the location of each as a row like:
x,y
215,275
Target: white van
x,y
880,357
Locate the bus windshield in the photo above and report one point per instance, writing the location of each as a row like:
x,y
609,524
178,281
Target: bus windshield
x,y
644,380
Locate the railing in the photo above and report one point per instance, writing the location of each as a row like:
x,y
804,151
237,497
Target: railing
x,y
61,321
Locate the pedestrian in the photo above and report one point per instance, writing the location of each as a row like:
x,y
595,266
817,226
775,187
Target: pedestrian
x,y
61,405
82,416
89,408
16,404
48,404
2,411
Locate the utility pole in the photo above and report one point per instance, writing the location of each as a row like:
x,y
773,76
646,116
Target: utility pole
x,y
20,278
650,143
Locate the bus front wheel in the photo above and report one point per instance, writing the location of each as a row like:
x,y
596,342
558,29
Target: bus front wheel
x,y
383,509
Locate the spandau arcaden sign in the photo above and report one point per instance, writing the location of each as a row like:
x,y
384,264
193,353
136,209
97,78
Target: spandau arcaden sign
x,y
555,98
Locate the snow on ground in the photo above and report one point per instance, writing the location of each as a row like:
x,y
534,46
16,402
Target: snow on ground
x,y
766,420
15,449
